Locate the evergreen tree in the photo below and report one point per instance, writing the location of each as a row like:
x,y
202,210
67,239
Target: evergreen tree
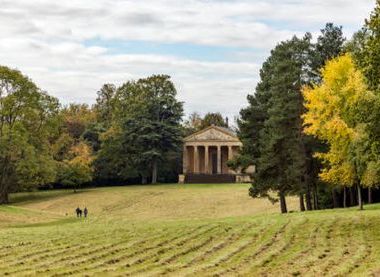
x,y
251,121
281,157
329,45
146,129
271,127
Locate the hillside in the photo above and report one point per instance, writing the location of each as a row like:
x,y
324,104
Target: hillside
x,y
208,230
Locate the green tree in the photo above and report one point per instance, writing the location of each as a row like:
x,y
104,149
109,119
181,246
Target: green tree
x,y
369,59
104,106
280,149
192,124
146,128
155,130
251,121
76,169
365,47
328,46
213,119
28,121
73,148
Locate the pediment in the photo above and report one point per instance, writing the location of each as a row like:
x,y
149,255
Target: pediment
x,y
212,133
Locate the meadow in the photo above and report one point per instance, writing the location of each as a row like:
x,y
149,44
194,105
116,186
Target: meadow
x,y
182,230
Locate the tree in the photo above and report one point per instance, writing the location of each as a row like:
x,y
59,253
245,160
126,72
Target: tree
x,y
337,112
251,122
192,124
28,121
213,119
356,46
145,130
160,126
76,118
369,58
276,108
77,168
278,100
365,47
74,146
104,106
329,45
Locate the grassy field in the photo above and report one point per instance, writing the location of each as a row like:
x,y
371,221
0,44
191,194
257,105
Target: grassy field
x,y
187,230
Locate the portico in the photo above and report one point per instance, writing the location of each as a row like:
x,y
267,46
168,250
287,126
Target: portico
x,y
207,152
208,157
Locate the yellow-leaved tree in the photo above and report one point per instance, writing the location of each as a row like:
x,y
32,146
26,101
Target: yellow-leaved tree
x,y
337,112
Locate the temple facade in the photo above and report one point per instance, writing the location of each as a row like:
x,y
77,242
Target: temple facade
x,y
205,156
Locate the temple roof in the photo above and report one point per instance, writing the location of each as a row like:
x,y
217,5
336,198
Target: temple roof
x,y
213,133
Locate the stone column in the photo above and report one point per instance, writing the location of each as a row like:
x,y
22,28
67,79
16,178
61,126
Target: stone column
x,y
184,160
219,156
207,170
230,156
196,160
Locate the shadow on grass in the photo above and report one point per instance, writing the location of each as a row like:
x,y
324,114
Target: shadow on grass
x,y
69,220
27,197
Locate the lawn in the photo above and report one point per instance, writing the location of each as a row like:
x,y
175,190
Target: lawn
x,y
182,230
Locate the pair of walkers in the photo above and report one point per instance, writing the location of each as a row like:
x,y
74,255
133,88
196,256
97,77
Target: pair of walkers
x,y
79,212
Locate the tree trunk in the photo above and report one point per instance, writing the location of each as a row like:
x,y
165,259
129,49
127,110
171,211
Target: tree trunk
x,y
369,196
284,209
315,198
335,199
4,197
360,200
154,172
144,180
309,207
352,200
344,197
302,204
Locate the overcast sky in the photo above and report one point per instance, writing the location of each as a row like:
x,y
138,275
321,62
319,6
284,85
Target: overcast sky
x,y
213,49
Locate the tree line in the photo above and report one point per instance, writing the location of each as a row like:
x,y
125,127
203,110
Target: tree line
x,y
132,134
312,127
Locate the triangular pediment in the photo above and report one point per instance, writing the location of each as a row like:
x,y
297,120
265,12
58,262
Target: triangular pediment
x,y
212,133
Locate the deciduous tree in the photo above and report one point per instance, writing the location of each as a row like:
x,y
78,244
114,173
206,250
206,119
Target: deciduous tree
x,y
337,112
28,120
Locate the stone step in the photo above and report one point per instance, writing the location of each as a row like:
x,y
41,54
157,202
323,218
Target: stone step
x,y
209,178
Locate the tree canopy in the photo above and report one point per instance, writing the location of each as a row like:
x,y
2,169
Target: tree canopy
x,y
28,120
146,128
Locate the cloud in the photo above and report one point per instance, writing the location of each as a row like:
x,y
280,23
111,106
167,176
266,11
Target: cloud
x,y
48,40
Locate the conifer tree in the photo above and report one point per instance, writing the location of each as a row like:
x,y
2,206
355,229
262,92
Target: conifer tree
x,y
280,151
145,131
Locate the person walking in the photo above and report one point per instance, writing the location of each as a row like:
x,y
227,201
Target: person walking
x,y
85,211
78,211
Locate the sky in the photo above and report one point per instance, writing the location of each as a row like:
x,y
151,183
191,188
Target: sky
x,y
212,49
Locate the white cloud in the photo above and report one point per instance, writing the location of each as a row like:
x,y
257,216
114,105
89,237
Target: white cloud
x,y
47,41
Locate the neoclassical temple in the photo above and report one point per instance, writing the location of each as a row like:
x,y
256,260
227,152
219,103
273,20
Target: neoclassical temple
x,y
205,156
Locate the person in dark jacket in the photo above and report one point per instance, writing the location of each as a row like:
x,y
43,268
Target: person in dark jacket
x,y
85,211
78,211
